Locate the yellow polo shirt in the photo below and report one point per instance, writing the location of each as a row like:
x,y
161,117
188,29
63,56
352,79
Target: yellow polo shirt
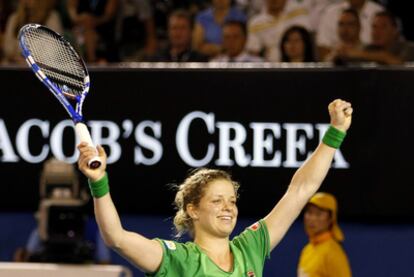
x,y
323,256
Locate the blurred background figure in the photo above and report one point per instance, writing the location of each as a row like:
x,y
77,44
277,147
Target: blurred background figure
x,y
388,46
387,41
315,8
163,8
63,233
349,28
266,29
28,11
136,30
323,255
208,35
234,42
179,48
6,9
94,24
297,45
327,33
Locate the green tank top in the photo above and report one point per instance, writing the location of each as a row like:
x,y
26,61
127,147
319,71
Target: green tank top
x,y
249,249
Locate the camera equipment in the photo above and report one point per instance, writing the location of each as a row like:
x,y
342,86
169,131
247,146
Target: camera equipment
x,y
62,216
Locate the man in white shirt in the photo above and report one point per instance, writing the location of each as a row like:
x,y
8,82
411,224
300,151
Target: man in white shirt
x,y
266,29
327,33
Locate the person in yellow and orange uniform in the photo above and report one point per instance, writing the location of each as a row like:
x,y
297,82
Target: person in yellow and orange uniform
x,y
323,256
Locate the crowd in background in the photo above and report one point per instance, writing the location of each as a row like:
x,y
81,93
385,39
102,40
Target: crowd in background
x,y
107,31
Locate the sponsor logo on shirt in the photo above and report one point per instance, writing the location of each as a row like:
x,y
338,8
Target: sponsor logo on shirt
x,y
170,244
255,226
250,273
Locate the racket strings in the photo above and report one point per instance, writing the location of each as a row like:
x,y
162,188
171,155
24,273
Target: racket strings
x,y
58,61
65,84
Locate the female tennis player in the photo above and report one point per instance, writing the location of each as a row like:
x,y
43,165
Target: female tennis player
x,y
207,210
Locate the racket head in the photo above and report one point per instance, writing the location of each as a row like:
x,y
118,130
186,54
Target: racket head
x,y
57,64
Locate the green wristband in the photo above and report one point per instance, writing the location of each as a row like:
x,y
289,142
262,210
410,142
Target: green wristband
x,y
100,187
333,137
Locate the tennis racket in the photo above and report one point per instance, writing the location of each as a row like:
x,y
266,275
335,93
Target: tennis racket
x,y
60,68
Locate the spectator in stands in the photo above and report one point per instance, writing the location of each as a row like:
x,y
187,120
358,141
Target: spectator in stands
x,y
388,42
234,42
179,41
388,45
327,33
28,11
163,8
265,30
137,32
208,36
323,255
94,25
349,27
297,45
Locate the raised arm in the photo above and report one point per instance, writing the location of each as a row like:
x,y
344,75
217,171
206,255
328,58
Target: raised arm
x,y
146,254
308,178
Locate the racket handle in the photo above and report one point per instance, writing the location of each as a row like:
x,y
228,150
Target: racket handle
x,y
84,136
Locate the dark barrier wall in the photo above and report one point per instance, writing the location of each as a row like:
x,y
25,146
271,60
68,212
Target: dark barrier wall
x,y
260,124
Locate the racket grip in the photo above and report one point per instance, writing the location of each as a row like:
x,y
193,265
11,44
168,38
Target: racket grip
x,y
84,136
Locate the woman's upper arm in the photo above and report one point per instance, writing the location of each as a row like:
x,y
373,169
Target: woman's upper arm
x,y
282,216
145,253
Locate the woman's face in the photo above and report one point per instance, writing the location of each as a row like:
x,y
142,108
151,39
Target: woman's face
x,y
294,46
216,214
317,220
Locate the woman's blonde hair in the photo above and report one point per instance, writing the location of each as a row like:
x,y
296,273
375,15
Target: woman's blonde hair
x,y
191,191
